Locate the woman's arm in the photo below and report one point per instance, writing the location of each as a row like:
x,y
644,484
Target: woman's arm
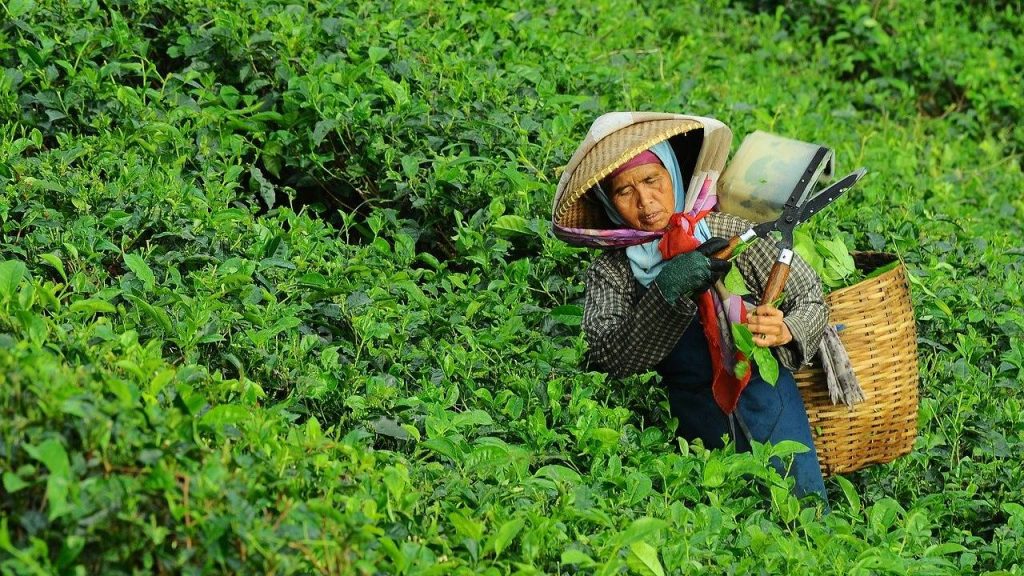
x,y
626,335
803,302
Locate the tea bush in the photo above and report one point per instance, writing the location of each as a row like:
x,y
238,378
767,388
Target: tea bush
x,y
277,292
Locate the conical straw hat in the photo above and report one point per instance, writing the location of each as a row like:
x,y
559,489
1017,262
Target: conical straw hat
x,y
613,139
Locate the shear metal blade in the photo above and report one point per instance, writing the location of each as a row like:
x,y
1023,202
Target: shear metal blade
x,y
829,194
765,228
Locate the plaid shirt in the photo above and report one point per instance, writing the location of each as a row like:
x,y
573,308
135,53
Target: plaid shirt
x,y
630,329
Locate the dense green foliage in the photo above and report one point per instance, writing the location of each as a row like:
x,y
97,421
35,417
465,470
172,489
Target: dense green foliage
x,y
277,292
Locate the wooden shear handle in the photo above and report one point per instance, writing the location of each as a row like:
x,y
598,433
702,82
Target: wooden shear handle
x,y
780,270
776,282
726,253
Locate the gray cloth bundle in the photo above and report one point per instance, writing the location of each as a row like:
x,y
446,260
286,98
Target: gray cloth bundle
x,y
835,362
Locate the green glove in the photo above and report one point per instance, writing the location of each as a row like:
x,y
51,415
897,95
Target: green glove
x,y
684,274
694,271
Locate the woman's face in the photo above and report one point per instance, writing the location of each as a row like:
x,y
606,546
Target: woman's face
x,y
643,196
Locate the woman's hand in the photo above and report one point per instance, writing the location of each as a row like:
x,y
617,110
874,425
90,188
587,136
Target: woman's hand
x,y
766,324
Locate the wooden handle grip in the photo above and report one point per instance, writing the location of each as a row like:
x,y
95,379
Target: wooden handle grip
x,y
726,253
776,282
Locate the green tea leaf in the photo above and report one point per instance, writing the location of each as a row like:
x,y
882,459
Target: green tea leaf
x,y
54,261
410,166
13,482
639,486
92,306
804,246
376,53
52,454
513,224
559,473
883,515
266,189
313,280
388,427
465,525
741,369
224,415
767,365
261,337
229,95
643,559
837,263
640,529
944,548
505,534
444,447
322,129
740,249
568,314
786,448
471,418
574,556
18,8
883,269
734,282
605,435
850,493
57,491
142,271
714,473
743,338
11,273
1013,509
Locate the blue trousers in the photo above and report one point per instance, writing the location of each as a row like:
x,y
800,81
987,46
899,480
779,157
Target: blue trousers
x,y
765,413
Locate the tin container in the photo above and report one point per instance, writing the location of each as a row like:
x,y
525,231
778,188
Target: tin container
x,y
763,173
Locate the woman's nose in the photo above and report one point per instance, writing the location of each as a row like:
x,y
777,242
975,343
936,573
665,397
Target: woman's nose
x,y
647,195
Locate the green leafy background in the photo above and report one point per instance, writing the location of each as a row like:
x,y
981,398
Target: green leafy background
x,y
277,291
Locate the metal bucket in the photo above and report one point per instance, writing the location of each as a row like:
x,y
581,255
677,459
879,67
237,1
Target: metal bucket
x,y
763,173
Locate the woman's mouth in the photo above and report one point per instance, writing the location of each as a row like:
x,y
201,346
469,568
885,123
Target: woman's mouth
x,y
650,219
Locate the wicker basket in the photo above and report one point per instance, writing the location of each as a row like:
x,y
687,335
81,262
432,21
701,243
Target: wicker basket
x,y
879,334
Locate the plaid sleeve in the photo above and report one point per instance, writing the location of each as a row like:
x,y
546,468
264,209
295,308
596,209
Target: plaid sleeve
x,y
629,330
803,302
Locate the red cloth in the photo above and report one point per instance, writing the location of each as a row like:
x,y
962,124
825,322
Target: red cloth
x,y
679,238
726,387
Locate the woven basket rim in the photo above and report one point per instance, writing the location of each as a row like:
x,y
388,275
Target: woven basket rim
x,y
859,255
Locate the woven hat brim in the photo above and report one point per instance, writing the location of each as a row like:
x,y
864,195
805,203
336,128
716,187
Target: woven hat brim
x,y
571,211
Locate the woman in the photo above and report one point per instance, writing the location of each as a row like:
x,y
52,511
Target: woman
x,y
643,184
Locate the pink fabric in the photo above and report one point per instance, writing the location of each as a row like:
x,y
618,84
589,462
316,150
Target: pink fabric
x,y
604,238
707,197
645,157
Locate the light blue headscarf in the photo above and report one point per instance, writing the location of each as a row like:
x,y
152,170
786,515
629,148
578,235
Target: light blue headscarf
x,y
645,259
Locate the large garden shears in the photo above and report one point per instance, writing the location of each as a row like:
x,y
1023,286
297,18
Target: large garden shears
x,y
797,209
